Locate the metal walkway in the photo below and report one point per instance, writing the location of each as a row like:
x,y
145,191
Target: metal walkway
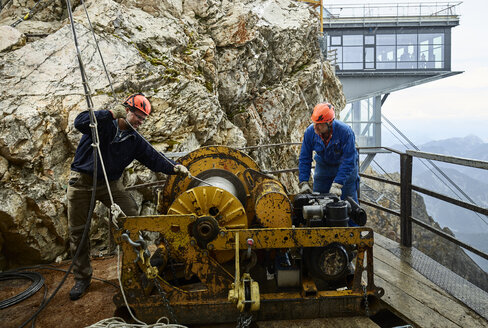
x,y
456,286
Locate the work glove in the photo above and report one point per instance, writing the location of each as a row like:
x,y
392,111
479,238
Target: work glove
x,y
336,189
118,112
181,170
304,188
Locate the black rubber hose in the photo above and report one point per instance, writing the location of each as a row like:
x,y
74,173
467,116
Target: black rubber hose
x,y
358,214
37,282
51,267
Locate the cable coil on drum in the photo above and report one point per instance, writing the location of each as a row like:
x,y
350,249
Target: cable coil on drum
x,y
37,282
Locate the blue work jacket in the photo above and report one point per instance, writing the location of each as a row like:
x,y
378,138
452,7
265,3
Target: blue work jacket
x,y
118,148
340,153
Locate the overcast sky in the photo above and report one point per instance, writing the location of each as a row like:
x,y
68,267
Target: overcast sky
x,y
452,107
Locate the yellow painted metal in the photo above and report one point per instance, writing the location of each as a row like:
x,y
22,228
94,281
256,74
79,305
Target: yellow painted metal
x,y
191,206
238,293
238,271
296,237
308,287
202,160
163,254
175,229
233,295
211,201
271,204
215,202
197,262
216,280
254,298
267,199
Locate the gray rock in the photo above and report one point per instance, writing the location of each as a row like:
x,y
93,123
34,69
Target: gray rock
x,y
10,38
221,72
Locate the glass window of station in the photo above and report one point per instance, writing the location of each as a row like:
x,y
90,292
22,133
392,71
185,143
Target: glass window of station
x,y
387,50
365,121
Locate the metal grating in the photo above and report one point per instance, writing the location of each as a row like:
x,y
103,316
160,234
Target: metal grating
x,y
466,292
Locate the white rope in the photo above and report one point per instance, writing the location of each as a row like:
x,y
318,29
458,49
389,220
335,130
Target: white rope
x,y
117,322
113,205
96,142
116,100
116,211
122,288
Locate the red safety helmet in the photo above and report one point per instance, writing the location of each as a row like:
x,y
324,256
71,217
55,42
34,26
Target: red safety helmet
x,y
323,113
138,101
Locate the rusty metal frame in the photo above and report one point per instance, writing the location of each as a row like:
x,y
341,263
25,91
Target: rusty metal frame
x,y
217,280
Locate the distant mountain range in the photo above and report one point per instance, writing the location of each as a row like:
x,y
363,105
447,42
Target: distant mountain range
x,y
470,146
455,217
473,181
468,226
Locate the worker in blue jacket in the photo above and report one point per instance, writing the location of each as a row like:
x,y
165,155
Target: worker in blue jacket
x,y
119,146
336,158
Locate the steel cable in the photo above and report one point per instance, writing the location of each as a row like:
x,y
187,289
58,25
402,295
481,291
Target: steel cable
x,y
53,268
25,17
93,198
118,322
99,52
4,5
37,282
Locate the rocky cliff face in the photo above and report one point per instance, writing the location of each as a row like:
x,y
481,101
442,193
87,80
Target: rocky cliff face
x,y
439,249
222,72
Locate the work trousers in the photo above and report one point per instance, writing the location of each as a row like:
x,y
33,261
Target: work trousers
x,y
79,195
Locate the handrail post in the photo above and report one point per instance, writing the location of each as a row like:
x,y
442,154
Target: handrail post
x,y
406,200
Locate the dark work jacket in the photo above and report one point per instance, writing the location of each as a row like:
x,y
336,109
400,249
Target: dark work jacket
x,y
117,153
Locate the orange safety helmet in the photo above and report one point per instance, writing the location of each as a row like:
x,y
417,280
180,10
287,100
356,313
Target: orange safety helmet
x,y
138,101
323,113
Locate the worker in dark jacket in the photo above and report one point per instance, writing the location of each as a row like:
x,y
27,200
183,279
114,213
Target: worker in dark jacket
x,y
119,146
336,158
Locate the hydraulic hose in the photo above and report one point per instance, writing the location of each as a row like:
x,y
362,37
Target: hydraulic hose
x,y
54,268
37,282
358,215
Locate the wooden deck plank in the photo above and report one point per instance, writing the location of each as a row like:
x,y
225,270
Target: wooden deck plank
x,y
417,298
410,309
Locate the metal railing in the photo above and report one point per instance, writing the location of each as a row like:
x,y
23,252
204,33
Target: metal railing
x,y
332,57
406,189
378,10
